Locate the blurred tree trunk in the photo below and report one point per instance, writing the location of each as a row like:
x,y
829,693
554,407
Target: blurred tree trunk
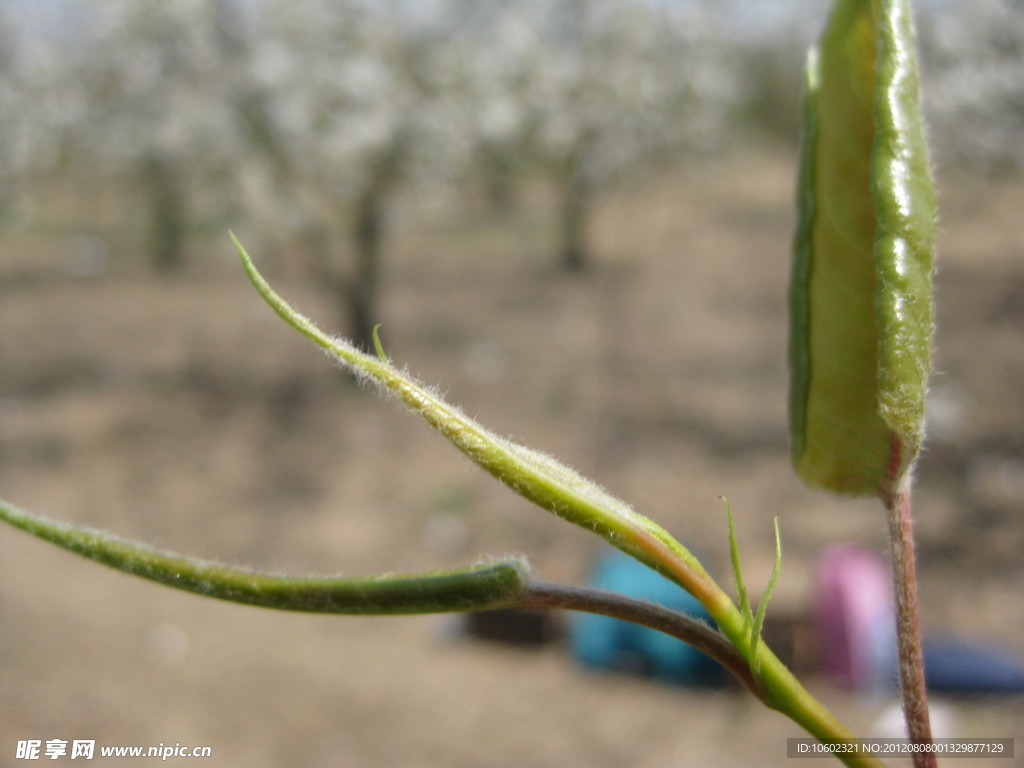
x,y
497,169
363,288
369,228
357,290
577,196
167,212
356,294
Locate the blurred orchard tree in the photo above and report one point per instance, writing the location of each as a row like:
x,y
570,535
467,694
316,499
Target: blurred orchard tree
x,y
340,103
313,120
592,93
344,103
125,94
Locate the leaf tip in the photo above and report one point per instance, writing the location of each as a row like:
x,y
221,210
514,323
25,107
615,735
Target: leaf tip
x,y
378,346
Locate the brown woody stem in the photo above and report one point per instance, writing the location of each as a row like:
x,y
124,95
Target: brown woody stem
x,y
686,628
908,624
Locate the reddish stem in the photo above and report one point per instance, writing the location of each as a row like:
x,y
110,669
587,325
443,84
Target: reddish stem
x,y
908,625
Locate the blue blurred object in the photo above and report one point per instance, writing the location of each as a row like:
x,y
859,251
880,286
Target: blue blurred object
x,y
600,642
952,665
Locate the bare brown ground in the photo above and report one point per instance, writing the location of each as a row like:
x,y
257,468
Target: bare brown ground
x,y
181,413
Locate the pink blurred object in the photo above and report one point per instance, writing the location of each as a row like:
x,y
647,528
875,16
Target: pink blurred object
x,y
853,612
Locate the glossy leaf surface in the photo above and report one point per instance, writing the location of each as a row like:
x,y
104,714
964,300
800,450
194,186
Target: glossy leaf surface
x,y
860,345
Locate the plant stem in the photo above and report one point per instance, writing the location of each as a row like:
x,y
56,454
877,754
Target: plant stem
x,y
772,683
543,594
780,690
908,624
775,685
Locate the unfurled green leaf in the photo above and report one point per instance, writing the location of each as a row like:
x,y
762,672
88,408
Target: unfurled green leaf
x,y
860,345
